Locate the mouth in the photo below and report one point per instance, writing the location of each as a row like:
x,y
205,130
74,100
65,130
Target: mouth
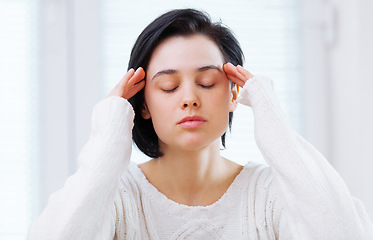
x,y
192,122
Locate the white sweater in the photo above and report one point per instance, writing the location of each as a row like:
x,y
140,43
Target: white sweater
x,y
297,196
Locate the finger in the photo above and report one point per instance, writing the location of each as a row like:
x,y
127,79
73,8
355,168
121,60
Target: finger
x,y
232,70
244,72
229,68
118,89
137,76
135,89
236,80
126,77
115,92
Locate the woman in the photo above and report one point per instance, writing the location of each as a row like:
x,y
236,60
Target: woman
x,y
181,98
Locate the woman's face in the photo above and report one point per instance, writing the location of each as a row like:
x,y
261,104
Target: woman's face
x,y
187,94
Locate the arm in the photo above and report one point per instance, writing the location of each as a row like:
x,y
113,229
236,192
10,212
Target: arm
x,y
84,207
317,202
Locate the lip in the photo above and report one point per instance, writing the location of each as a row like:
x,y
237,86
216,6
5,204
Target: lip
x,y
192,122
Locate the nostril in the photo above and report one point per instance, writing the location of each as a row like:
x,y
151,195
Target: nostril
x,y
195,104
185,105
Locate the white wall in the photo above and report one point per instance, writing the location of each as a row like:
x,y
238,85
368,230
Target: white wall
x,y
71,77
351,98
338,76
55,109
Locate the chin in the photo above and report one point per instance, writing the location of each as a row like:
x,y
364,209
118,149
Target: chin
x,y
198,144
192,141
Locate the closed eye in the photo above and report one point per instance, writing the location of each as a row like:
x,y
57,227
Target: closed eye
x,y
169,90
207,86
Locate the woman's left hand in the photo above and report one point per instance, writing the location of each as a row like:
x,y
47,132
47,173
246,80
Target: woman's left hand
x,y
237,74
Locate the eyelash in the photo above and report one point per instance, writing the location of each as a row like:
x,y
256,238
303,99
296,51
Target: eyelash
x,y
169,91
208,86
172,90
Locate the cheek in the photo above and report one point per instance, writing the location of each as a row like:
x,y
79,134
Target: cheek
x,y
221,104
222,95
158,106
160,113
151,100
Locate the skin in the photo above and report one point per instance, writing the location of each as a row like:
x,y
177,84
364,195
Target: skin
x,y
186,76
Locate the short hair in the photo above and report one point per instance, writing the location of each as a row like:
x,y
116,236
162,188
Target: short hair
x,y
179,22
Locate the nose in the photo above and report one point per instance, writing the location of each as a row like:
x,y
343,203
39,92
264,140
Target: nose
x,y
190,104
190,99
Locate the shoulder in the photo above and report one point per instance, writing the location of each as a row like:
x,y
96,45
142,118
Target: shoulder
x,y
263,199
258,175
132,180
262,182
262,185
128,202
259,186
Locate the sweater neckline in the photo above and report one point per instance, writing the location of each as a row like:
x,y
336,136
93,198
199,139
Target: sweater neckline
x,y
226,200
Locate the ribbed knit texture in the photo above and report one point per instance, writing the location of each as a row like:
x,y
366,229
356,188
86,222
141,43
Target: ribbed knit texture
x,y
298,195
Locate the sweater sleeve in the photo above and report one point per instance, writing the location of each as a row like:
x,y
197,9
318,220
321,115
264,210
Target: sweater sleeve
x,y
317,203
84,207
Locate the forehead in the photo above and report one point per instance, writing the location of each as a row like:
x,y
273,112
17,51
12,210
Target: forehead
x,y
185,53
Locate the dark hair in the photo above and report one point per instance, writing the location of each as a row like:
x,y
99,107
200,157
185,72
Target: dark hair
x,y
178,22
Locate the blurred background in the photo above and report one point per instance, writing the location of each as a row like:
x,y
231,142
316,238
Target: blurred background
x,y
59,58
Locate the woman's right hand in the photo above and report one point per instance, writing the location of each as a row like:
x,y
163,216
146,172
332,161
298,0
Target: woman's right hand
x,y
131,83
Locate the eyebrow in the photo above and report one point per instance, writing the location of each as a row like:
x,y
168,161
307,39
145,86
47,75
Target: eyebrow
x,y
174,71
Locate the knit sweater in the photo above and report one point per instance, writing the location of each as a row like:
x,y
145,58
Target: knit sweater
x,y
296,195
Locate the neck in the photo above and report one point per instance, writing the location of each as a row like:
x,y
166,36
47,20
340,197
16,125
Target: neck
x,y
191,173
195,178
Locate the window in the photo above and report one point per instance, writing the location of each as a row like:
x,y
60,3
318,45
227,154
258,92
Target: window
x,y
19,117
